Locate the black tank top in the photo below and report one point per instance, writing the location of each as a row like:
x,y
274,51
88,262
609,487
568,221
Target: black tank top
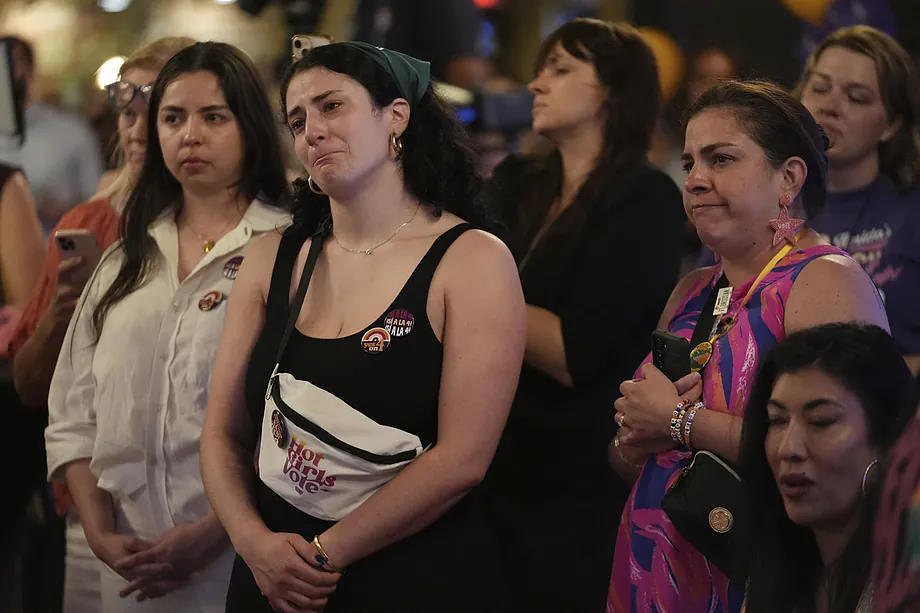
x,y
390,371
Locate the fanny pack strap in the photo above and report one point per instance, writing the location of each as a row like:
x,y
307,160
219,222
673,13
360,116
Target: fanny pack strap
x,y
316,246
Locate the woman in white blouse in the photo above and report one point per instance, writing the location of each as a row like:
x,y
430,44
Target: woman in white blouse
x,y
128,395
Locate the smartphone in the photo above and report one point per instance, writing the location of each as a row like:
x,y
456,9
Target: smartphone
x,y
301,44
79,242
670,354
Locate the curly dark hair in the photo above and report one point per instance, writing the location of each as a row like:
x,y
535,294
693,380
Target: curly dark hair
x,y
437,161
785,573
157,189
777,122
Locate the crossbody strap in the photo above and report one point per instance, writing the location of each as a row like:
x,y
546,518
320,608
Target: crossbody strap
x,y
316,245
707,319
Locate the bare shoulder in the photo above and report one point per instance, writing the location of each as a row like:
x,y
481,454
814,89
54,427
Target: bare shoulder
x,y
16,191
263,250
835,273
479,252
256,269
683,287
833,288
690,280
478,267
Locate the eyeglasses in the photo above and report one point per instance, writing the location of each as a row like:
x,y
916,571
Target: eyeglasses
x,y
122,93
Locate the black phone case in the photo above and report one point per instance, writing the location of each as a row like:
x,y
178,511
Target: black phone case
x,y
671,354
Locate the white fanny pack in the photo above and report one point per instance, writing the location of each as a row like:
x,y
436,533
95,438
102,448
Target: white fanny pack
x,y
323,456
317,452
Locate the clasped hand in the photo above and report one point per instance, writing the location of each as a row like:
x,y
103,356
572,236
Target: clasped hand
x,y
646,406
156,568
286,570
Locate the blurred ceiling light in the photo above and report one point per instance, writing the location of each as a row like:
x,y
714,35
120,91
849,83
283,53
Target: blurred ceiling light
x,y
113,6
108,72
452,94
224,1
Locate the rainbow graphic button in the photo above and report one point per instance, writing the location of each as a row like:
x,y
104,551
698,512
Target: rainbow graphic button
x,y
375,340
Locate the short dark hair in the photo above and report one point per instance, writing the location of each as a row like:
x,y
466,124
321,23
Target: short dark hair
x,y
779,124
157,189
437,161
899,86
864,359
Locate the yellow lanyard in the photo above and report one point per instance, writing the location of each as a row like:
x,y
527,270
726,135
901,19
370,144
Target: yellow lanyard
x,y
700,355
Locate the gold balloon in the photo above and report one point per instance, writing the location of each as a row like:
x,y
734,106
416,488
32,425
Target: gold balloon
x,y
670,59
812,11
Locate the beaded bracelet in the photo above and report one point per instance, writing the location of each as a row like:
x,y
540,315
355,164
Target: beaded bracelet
x,y
677,418
691,415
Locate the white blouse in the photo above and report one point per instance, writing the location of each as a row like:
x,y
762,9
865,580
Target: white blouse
x,y
135,401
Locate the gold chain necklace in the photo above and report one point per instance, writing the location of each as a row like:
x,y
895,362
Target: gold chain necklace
x,y
370,250
208,243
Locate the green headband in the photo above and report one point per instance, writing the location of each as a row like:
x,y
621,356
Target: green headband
x,y
410,74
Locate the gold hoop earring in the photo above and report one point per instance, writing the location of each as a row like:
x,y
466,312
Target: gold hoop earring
x,y
397,145
314,187
865,480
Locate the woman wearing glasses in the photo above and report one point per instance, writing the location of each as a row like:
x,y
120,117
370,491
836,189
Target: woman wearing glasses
x,y
37,339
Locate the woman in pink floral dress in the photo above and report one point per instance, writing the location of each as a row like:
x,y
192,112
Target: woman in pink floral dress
x,y
755,163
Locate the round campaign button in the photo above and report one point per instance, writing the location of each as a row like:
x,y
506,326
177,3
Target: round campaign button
x,y
210,300
399,322
279,431
375,340
232,267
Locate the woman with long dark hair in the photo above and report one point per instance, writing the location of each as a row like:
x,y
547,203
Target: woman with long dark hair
x,y
372,353
755,163
827,405
128,395
864,90
596,232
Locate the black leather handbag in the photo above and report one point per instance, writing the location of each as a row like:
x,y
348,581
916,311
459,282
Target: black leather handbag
x,y
706,503
706,506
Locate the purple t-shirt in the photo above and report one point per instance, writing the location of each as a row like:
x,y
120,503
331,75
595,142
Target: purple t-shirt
x,y
880,228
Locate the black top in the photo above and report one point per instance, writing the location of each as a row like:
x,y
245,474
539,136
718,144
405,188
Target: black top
x,y
397,387
605,267
606,271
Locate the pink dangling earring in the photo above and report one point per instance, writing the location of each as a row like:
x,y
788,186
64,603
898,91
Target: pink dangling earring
x,y
785,228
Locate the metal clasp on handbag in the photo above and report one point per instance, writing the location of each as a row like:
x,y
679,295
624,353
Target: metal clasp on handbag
x,y
718,460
